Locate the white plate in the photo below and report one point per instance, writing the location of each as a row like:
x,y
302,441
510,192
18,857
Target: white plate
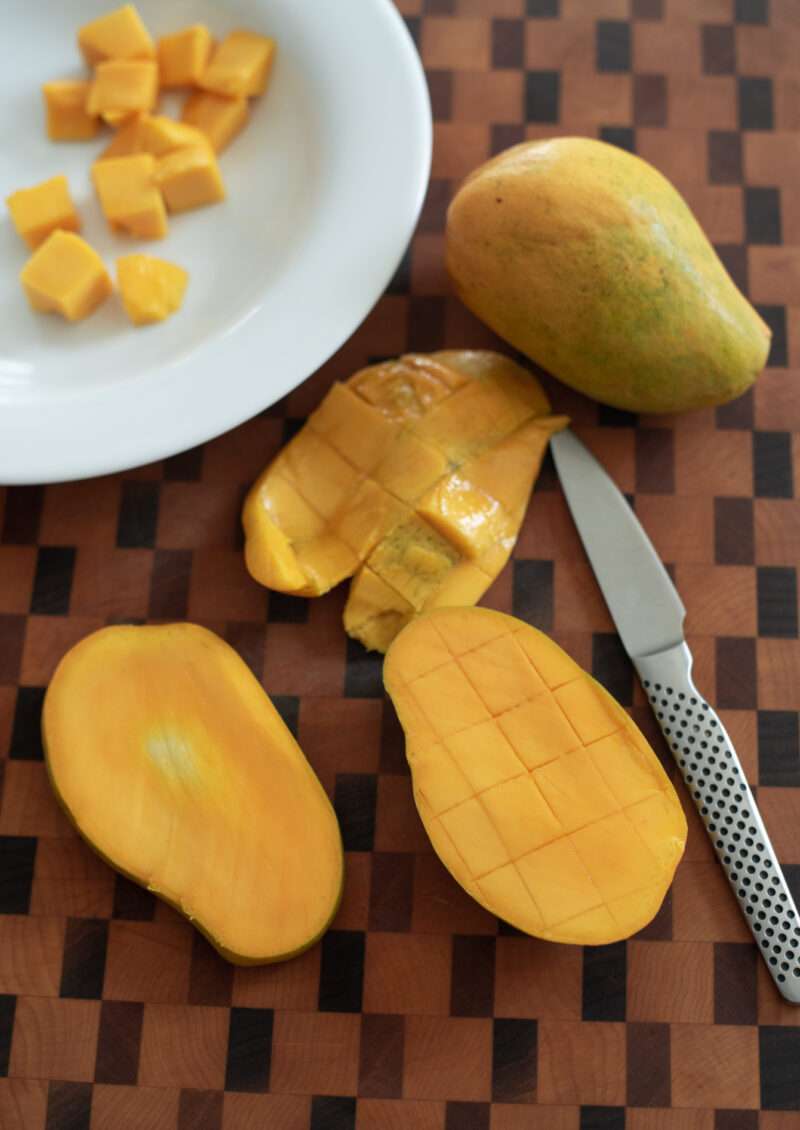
x,y
324,186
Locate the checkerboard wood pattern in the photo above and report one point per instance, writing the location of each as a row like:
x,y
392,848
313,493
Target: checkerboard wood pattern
x,y
418,1010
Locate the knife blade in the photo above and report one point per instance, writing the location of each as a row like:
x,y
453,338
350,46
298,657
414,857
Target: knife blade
x,y
648,614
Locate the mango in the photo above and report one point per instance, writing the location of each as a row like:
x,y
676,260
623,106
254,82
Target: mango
x,y
129,196
189,177
174,765
240,65
66,276
150,288
65,107
38,211
413,478
182,56
123,87
587,260
161,135
128,139
219,117
537,790
120,34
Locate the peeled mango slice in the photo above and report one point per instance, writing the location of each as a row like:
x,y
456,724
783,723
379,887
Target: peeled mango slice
x,y
586,259
536,788
175,766
413,477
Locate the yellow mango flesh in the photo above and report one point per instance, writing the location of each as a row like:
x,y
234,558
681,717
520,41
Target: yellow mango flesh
x,y
38,211
182,56
129,196
66,276
219,117
65,107
240,65
175,766
161,134
536,788
128,139
122,87
151,289
413,476
189,177
120,34
587,260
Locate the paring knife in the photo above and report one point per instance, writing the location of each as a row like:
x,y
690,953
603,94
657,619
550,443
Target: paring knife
x,y
648,615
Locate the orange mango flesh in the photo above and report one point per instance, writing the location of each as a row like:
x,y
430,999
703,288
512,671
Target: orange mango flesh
x,y
536,788
175,766
182,56
66,276
39,211
189,177
120,34
128,139
240,65
412,477
122,87
129,196
151,289
219,117
65,107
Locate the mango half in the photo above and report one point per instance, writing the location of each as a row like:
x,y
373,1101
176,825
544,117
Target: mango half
x,y
587,260
412,477
175,766
537,790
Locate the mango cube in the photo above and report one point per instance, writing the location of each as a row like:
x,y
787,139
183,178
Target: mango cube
x,y
65,276
220,118
117,118
151,289
182,56
122,87
65,106
129,195
39,211
161,135
189,178
240,65
119,35
128,139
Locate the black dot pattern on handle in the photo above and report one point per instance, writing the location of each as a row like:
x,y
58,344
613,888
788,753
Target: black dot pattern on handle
x,y
723,799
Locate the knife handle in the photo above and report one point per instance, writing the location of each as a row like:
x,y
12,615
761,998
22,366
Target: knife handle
x,y
714,776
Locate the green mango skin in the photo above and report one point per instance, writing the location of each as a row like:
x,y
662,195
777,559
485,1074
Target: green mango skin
x,y
588,261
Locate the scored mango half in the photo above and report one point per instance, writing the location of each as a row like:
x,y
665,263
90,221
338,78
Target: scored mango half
x,y
537,790
412,477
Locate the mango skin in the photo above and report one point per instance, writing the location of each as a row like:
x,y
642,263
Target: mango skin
x,y
588,261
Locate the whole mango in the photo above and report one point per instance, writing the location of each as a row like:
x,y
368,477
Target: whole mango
x,y
587,260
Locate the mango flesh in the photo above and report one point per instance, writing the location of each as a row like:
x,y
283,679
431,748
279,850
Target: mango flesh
x,y
217,116
120,34
66,276
174,765
413,477
129,196
39,211
587,260
240,65
151,289
189,177
537,790
182,56
65,108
